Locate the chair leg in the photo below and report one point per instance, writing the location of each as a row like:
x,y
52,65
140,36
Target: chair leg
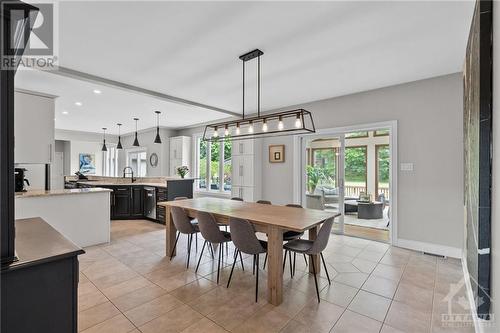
x,y
218,265
175,245
294,260
284,260
253,264
190,240
211,250
290,263
201,256
196,241
232,269
241,260
305,259
326,269
315,279
256,277
265,261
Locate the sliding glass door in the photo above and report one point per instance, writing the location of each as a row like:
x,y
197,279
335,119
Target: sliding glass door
x,y
323,175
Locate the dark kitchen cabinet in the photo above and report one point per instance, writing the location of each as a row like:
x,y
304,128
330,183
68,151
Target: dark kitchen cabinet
x,y
121,203
137,202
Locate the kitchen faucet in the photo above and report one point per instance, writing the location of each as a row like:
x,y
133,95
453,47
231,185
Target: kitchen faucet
x,y
125,173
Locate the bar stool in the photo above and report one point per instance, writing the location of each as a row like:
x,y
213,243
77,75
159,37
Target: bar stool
x,y
264,202
245,240
314,247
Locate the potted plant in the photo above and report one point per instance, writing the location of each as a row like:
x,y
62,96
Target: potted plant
x,y
182,171
314,175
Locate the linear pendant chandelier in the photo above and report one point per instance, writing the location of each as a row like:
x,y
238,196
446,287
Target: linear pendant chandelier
x,y
298,121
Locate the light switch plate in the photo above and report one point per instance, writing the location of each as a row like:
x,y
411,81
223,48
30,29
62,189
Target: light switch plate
x,y
406,166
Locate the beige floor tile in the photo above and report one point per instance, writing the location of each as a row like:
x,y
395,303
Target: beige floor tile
x,y
339,294
395,260
388,272
319,317
117,324
138,297
96,315
410,294
215,298
126,287
293,301
90,299
407,318
176,320
177,281
235,311
193,290
370,255
294,326
370,305
113,279
152,309
204,325
345,267
380,286
355,280
364,266
265,320
389,329
352,322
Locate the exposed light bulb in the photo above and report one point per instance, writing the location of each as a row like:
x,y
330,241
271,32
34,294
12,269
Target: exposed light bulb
x,y
250,128
97,92
280,124
238,131
264,126
226,131
78,103
298,123
216,133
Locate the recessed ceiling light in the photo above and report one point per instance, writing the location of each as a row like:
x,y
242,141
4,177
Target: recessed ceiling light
x,y
78,103
97,91
65,112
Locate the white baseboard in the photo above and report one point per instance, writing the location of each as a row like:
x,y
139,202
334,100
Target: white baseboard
x,y
447,251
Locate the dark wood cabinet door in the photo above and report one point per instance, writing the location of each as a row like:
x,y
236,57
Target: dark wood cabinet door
x,y
137,201
121,203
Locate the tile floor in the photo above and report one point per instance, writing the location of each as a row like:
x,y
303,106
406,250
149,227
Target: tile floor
x,y
130,286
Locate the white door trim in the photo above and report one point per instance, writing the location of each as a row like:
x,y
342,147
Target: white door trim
x,y
392,125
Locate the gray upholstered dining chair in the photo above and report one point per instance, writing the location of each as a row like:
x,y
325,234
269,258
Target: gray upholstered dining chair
x,y
245,240
183,225
236,199
193,220
314,247
264,202
210,231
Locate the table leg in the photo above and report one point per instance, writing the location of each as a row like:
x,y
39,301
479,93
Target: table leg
x,y
275,265
313,232
170,229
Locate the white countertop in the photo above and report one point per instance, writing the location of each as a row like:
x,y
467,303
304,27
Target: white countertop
x,y
44,193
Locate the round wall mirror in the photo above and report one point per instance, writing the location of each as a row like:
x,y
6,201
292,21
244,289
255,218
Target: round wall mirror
x,y
153,160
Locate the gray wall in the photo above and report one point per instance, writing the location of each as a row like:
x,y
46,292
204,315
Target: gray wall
x,y
495,214
146,139
429,115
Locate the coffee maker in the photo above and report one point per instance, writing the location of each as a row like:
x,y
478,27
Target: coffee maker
x,y
20,180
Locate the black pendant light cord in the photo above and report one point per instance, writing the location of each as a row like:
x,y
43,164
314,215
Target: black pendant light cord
x,y
243,89
258,86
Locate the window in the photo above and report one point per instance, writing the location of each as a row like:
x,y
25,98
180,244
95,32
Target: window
x,y
383,162
137,161
110,162
353,135
355,170
213,166
381,132
326,159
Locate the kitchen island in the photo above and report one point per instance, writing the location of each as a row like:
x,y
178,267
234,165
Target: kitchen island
x,y
81,215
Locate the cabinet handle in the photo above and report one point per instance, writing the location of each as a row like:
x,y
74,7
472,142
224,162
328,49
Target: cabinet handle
x,y
241,170
241,148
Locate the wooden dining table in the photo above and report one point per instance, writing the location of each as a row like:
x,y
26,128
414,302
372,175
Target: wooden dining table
x,y
270,219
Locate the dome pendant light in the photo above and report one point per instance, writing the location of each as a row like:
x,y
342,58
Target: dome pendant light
x,y
104,148
136,142
119,145
157,139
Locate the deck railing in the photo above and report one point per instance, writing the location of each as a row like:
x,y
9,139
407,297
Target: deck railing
x,y
354,191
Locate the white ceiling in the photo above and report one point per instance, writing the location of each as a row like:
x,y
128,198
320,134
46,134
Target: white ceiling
x,y
312,51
